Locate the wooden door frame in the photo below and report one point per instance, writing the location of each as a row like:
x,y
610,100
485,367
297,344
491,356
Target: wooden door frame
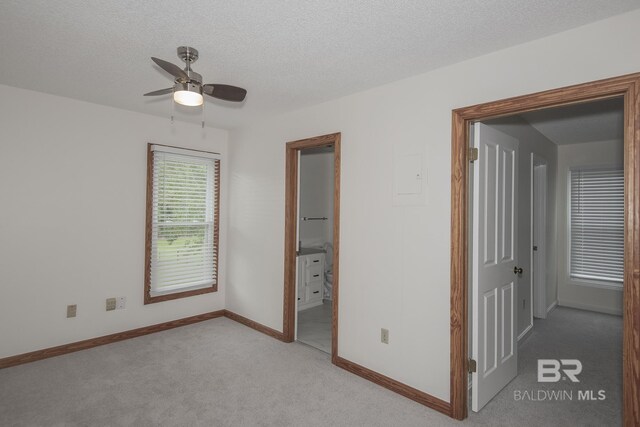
x,y
627,86
290,227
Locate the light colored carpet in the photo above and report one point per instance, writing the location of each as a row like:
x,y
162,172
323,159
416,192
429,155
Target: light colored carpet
x,y
314,327
221,373
593,338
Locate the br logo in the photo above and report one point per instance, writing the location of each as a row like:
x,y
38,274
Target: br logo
x,y
551,370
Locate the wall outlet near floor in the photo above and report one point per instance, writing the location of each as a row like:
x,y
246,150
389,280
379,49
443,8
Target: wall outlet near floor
x,y
384,336
72,310
121,303
111,304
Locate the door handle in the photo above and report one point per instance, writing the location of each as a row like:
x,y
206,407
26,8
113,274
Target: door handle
x,y
517,270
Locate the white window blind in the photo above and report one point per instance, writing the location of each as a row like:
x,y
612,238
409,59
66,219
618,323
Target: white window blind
x,y
597,224
184,246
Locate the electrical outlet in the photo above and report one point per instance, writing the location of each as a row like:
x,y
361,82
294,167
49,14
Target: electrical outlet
x,y
111,304
384,336
121,303
72,310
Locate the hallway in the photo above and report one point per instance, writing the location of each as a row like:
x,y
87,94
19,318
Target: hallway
x,y
594,339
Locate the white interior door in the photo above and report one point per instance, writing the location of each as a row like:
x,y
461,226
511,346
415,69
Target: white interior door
x,y
494,267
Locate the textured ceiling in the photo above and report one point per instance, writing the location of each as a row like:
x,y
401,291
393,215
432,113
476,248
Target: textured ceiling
x,y
287,54
573,124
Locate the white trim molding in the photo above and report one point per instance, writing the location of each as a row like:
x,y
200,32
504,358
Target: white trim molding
x,y
589,307
525,332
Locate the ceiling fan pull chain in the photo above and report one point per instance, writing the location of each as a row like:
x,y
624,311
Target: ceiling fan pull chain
x,y
173,110
202,115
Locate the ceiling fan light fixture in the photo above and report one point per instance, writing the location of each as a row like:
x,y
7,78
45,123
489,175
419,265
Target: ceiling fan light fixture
x,y
188,88
188,94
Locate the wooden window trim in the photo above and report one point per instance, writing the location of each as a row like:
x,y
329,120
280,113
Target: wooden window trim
x,y
627,87
148,298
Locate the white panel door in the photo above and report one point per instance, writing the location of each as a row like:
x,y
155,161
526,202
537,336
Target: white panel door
x,y
494,280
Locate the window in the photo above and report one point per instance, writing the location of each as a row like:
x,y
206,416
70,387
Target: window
x,y
597,225
183,194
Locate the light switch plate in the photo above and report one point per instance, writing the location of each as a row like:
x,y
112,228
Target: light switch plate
x,y
121,303
111,304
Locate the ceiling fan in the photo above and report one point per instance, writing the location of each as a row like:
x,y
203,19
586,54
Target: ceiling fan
x,y
188,88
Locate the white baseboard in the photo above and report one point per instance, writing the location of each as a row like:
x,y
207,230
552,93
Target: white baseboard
x,y
525,332
580,306
552,306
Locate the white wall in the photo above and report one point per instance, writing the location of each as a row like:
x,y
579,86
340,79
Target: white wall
x,y
394,269
570,292
532,141
316,198
72,218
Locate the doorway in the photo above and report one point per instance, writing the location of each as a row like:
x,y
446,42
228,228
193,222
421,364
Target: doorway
x,y
626,87
312,242
315,247
582,148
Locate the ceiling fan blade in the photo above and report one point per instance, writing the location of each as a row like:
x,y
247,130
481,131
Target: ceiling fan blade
x,y
160,92
170,68
225,92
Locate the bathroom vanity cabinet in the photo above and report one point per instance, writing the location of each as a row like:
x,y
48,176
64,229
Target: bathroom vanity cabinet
x,y
310,278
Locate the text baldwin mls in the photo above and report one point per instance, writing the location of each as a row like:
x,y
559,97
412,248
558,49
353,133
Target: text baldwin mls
x,y
552,371
558,395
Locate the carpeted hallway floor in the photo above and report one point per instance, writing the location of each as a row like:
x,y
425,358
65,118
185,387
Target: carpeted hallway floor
x,y
593,338
220,373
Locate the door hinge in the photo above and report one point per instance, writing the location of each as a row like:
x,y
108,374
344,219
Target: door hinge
x,y
472,366
473,154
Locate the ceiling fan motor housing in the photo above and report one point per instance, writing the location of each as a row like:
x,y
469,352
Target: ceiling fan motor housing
x,y
188,86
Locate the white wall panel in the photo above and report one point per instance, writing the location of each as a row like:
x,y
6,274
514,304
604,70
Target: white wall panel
x,y
72,218
394,269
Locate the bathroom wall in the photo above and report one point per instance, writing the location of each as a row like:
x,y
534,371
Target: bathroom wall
x,y
316,198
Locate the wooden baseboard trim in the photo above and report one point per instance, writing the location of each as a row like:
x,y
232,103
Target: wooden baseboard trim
x,y
389,383
395,386
255,325
106,339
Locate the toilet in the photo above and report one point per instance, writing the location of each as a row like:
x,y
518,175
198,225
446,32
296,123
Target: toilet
x,y
328,281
